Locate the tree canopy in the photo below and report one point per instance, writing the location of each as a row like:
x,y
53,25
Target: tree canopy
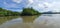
x,y
25,12
29,11
4,12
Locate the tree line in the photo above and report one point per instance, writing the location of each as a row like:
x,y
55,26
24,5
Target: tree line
x,y
4,12
29,11
25,12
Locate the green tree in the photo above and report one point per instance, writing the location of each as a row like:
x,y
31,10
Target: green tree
x,y
29,11
4,12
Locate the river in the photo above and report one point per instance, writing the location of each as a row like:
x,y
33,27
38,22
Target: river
x,y
42,21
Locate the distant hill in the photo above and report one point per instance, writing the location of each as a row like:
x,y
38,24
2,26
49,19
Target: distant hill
x,y
4,12
29,11
51,13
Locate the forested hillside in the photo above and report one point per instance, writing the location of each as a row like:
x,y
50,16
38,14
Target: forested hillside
x,y
4,12
29,11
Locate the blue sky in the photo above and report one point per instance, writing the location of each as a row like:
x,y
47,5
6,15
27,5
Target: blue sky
x,y
39,5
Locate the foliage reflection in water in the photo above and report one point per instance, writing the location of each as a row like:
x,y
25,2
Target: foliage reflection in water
x,y
43,21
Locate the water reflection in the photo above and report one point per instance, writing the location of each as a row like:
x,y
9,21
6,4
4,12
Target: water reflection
x,y
43,21
48,15
29,19
19,22
4,19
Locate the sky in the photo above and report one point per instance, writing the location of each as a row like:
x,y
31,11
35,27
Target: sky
x,y
39,5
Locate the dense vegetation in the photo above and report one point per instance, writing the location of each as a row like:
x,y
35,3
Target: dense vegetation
x,y
4,12
25,12
29,11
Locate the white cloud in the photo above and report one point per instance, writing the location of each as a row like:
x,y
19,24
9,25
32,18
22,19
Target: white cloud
x,y
10,5
30,1
55,6
40,5
46,5
17,1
